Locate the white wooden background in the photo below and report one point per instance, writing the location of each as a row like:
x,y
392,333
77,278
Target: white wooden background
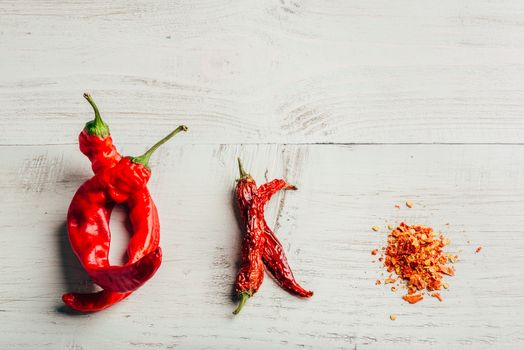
x,y
361,104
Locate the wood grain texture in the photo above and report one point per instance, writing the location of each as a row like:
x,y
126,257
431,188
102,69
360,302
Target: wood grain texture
x,y
272,71
325,228
323,93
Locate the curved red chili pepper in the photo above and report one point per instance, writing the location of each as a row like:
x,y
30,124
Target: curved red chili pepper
x,y
276,263
143,217
126,184
274,256
96,143
88,227
259,244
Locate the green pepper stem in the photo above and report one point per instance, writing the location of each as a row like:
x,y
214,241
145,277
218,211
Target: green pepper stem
x,y
144,158
244,296
97,126
98,118
243,173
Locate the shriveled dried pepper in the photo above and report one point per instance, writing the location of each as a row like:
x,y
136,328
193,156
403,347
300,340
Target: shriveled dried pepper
x,y
117,180
260,246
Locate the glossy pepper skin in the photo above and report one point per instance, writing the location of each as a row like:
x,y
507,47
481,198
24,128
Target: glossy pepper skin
x,y
260,246
96,143
146,237
116,180
88,227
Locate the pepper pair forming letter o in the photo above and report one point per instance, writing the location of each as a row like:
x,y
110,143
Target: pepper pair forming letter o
x,y
116,180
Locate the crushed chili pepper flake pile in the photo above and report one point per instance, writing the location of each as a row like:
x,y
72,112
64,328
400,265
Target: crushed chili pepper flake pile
x,y
415,253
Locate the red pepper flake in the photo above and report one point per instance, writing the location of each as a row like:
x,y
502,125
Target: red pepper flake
x,y
438,296
413,298
448,270
374,252
397,206
377,282
478,250
452,258
415,253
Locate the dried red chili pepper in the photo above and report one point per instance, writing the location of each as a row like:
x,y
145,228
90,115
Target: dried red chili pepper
x,y
260,246
116,180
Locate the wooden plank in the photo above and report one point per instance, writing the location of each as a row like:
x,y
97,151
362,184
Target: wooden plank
x,y
325,227
265,71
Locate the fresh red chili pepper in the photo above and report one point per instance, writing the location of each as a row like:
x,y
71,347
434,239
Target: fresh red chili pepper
x,y
96,143
88,223
260,246
116,180
145,239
